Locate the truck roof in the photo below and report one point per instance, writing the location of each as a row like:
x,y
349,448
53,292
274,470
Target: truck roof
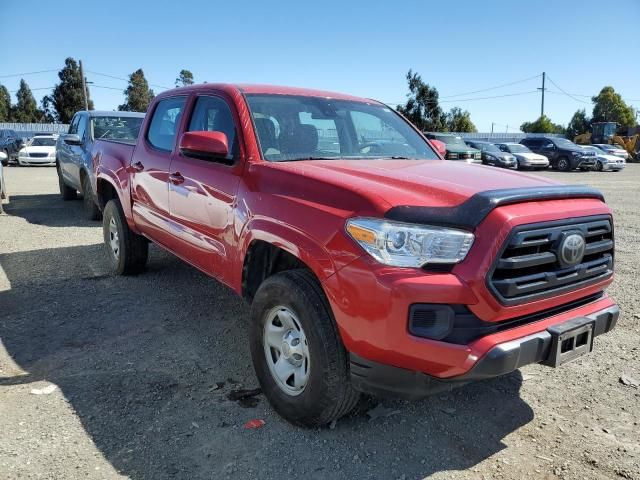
x,y
109,113
271,90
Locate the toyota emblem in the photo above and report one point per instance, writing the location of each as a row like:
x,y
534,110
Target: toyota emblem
x,y
572,249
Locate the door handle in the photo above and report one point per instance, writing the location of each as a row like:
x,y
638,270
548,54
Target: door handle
x,y
137,166
176,178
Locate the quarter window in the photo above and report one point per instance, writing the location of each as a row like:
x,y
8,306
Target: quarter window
x,y
164,123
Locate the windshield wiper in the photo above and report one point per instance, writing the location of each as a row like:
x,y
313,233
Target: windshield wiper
x,y
308,158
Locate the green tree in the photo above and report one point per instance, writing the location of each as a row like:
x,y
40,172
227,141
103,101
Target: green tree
x,y
67,97
422,108
185,77
608,106
578,125
542,125
26,109
138,95
48,112
5,104
460,121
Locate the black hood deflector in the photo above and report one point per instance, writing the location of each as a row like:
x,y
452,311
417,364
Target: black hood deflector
x,y
471,212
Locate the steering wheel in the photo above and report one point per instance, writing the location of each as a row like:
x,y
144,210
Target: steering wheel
x,y
374,148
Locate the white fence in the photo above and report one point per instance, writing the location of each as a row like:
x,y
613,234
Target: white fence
x,y
29,129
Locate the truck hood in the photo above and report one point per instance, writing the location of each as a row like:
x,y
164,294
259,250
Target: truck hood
x,y
379,185
530,156
453,148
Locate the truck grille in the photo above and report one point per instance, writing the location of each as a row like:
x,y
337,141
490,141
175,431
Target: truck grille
x,y
537,260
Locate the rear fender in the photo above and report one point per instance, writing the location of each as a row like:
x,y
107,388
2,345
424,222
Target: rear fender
x,y
113,172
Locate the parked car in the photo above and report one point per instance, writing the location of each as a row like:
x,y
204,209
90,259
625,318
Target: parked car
x,y
616,150
525,158
563,154
3,189
606,161
456,148
492,155
74,162
40,150
10,144
380,273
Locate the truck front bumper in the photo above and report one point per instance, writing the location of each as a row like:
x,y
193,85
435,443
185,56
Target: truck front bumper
x,y
380,379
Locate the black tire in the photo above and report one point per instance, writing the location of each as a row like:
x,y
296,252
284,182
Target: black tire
x,y
67,192
328,394
564,164
91,210
133,249
5,162
599,167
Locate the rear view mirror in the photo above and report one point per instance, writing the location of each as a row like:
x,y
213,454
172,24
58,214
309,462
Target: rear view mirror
x,y
72,139
205,145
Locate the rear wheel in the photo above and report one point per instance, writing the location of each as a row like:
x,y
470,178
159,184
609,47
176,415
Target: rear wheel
x,y
299,359
5,162
91,210
599,166
127,251
564,165
67,192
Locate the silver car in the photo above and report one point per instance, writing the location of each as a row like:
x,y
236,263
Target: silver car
x,y
606,161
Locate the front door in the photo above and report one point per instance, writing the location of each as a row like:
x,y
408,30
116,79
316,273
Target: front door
x,y
202,193
150,170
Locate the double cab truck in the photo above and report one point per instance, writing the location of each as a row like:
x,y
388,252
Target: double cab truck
x,y
73,151
456,148
369,266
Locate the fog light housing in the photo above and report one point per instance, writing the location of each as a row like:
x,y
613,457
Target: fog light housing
x,y
431,320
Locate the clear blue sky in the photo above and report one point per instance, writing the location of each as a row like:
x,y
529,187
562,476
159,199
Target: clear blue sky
x,y
360,47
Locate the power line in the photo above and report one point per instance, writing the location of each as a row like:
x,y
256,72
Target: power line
x,y
27,73
567,94
492,88
124,79
529,92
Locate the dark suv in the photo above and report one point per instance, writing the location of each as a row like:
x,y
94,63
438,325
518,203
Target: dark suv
x,y
563,154
10,143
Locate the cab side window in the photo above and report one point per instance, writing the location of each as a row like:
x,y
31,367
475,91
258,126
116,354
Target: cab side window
x,y
165,122
213,114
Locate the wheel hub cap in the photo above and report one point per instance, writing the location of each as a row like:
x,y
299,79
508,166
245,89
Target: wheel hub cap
x,y
114,239
286,350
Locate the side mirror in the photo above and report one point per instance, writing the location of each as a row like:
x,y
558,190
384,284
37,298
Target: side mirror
x,y
440,147
205,146
72,139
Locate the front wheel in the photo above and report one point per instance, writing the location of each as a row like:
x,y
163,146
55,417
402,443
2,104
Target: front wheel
x,y
599,166
299,359
127,251
564,165
91,210
67,192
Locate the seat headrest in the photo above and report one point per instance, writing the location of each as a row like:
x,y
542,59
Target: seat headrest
x,y
302,139
266,133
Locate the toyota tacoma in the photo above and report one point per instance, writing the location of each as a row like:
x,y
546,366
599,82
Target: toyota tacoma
x,y
370,263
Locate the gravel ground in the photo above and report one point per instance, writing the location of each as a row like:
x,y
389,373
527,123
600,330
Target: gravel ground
x,y
143,366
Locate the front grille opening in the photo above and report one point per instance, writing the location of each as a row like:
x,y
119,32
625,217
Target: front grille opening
x,y
529,266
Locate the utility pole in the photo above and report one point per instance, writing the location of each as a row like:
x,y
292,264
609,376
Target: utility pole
x,y
492,127
544,74
84,87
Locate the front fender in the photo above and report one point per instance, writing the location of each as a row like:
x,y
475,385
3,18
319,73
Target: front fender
x,y
291,240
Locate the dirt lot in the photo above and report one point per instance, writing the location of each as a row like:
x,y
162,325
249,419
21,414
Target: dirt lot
x,y
143,367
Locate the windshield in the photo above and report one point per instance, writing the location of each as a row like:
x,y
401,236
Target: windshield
x,y
517,148
292,127
489,147
450,140
564,143
43,142
592,149
116,128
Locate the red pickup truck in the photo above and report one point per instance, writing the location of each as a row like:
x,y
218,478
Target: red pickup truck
x,y
370,263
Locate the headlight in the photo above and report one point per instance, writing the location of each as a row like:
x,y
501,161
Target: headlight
x,y
23,153
490,157
408,245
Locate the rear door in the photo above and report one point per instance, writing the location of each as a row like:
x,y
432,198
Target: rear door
x,y
150,170
549,150
202,192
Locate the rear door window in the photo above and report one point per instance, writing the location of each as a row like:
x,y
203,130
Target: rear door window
x,y
165,122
